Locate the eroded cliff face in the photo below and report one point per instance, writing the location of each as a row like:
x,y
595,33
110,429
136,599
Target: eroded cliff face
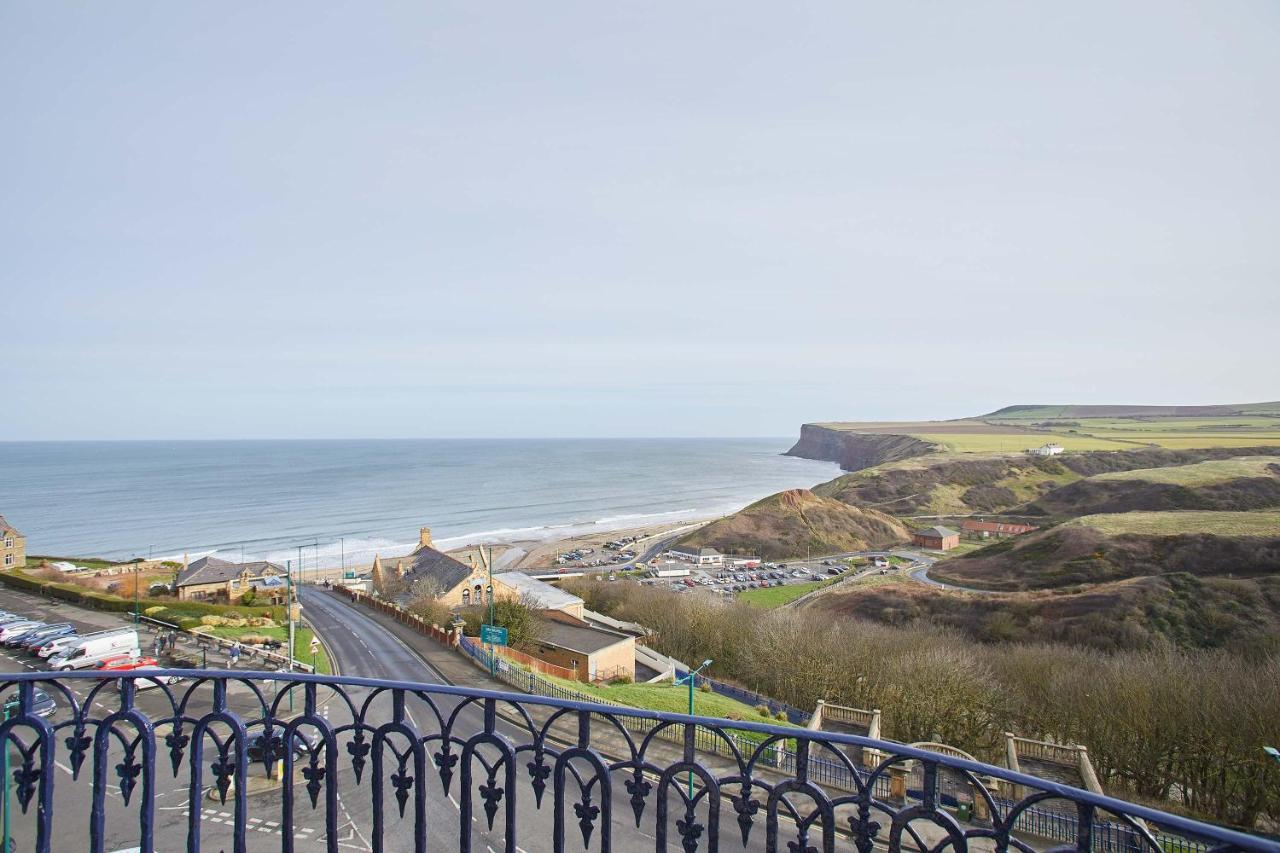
x,y
854,451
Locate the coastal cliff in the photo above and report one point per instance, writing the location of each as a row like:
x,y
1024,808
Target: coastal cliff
x,y
854,451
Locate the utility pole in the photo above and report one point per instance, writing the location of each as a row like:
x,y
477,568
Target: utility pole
x,y
342,550
288,585
689,679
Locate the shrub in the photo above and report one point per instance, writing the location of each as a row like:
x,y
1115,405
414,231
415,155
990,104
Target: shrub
x,y
704,687
621,679
154,612
733,715
781,716
254,639
762,710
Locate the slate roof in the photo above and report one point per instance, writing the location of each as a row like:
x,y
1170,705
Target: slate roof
x,y
580,638
213,570
6,527
940,532
547,596
427,562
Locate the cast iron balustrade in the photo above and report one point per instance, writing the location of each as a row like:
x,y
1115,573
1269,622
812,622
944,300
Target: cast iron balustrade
x,y
414,766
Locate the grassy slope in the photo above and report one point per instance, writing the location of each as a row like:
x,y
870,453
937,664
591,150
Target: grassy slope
x,y
668,697
776,596
1174,523
1201,473
301,641
786,524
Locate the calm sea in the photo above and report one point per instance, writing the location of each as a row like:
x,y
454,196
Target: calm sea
x,y
264,498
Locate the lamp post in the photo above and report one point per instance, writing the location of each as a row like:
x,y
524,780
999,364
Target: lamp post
x,y
689,679
137,615
288,612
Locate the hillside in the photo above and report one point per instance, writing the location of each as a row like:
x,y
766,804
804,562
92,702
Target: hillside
x,y
1248,483
1104,549
786,524
1240,614
1055,486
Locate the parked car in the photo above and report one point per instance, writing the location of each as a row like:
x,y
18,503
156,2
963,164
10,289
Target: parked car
x,y
37,635
42,705
96,648
145,665
58,645
13,629
13,639
35,641
302,743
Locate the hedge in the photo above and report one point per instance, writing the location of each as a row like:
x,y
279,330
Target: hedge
x,y
176,611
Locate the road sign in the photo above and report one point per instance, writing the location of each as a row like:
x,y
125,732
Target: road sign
x,y
493,634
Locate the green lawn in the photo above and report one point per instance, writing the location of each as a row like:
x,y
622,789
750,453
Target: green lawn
x,y
776,596
301,642
669,697
1016,442
1171,523
1200,473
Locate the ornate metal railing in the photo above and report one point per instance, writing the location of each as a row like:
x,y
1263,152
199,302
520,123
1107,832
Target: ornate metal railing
x,y
360,762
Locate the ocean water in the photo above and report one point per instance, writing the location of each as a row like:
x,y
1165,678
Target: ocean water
x,y
262,499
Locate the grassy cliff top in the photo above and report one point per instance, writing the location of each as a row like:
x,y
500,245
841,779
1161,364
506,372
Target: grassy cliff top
x,y
1187,521
1201,473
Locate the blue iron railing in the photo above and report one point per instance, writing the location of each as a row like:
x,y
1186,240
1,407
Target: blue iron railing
x,y
379,764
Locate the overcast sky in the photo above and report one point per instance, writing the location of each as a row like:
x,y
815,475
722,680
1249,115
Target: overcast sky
x,y
227,220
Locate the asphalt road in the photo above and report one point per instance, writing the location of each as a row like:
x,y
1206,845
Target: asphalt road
x,y
360,647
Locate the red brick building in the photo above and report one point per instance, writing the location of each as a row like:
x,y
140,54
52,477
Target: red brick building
x,y
995,528
936,538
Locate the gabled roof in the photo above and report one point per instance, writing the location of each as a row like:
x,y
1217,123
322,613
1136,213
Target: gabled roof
x,y
427,562
7,528
546,596
940,532
213,570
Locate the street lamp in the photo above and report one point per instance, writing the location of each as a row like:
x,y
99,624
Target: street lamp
x,y
137,615
689,679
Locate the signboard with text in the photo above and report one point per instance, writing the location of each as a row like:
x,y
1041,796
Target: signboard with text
x,y
493,634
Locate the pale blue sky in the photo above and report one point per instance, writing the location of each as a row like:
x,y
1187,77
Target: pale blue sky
x,y
528,219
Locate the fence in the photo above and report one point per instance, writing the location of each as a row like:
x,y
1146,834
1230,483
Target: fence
x,y
404,617
749,697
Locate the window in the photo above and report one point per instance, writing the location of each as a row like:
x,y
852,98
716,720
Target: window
x,y
8,559
466,597
8,542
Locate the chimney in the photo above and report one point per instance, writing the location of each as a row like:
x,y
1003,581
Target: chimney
x,y
424,537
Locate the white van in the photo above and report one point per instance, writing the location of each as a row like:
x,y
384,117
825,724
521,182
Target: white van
x,y
97,647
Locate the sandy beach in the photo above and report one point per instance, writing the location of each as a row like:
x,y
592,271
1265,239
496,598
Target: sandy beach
x,y
541,554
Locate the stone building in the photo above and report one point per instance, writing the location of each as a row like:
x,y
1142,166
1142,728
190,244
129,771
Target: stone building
x,y
13,546
225,582
457,584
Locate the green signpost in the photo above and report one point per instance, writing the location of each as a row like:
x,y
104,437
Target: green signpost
x,y
493,636
9,708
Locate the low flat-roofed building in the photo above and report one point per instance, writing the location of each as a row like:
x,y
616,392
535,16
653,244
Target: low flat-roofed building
x,y
698,555
536,593
594,653
995,528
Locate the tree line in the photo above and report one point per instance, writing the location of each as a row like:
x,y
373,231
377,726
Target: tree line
x,y
1172,727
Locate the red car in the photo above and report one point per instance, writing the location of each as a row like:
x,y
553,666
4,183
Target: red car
x,y
120,662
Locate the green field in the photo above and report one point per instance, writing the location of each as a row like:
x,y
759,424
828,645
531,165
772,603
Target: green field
x,y
1016,442
1200,473
1172,523
301,642
669,697
776,596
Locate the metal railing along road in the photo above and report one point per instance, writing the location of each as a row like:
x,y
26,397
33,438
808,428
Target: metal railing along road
x,y
153,761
